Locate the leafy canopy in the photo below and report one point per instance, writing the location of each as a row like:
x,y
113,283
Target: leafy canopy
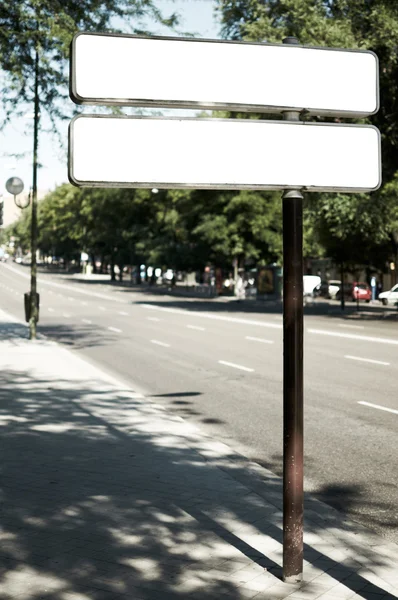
x,y
48,26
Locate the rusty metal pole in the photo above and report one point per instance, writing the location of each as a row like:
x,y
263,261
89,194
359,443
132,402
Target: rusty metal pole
x,y
34,308
293,441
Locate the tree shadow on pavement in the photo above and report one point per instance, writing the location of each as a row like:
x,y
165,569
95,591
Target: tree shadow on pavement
x,y
105,495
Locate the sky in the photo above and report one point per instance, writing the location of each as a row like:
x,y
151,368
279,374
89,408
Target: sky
x,y
196,17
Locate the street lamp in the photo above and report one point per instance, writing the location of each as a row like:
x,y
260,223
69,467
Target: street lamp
x,y
14,186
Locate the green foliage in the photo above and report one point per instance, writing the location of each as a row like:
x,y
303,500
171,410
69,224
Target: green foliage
x,y
48,27
176,228
353,227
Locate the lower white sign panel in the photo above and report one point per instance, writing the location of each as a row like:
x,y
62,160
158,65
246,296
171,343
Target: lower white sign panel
x,y
222,153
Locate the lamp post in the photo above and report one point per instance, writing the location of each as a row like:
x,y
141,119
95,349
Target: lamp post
x,y
15,186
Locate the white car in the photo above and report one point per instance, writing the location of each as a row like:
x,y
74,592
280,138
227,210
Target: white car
x,y
390,297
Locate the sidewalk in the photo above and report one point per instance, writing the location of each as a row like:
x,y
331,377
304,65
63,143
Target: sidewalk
x,y
104,495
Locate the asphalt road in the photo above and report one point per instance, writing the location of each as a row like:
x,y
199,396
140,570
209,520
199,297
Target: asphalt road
x,y
219,364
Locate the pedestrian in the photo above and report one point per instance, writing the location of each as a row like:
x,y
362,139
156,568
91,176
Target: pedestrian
x,y
240,288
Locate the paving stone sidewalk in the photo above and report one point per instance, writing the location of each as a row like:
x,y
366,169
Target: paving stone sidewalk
x,y
104,495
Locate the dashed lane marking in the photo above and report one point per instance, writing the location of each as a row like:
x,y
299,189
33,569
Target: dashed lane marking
x,y
115,329
256,339
235,366
368,360
391,410
160,343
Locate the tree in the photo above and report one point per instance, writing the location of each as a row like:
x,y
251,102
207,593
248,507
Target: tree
x,y
34,45
347,24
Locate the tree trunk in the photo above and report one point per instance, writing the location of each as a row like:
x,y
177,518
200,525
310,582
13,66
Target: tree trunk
x,y
342,286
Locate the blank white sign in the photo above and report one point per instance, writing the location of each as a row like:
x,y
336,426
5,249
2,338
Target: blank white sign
x,y
222,153
180,72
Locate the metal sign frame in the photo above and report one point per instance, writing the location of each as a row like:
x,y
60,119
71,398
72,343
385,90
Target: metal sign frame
x,y
192,185
207,104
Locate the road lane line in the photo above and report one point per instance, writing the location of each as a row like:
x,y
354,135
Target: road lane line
x,y
50,309
87,321
391,410
84,303
101,308
196,327
125,314
66,315
235,366
115,329
152,319
351,326
71,299
160,343
204,315
72,288
256,339
369,360
351,336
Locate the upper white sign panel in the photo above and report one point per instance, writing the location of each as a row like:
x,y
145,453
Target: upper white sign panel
x,y
213,74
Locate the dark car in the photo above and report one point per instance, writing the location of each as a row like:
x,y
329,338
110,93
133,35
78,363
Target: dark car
x,y
357,290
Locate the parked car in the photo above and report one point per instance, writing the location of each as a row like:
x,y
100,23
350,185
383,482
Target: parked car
x,y
311,285
390,297
357,290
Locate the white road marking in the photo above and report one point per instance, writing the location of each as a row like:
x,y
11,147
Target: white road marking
x,y
351,326
256,339
70,298
64,286
351,336
101,308
160,343
152,319
66,315
84,303
196,327
87,321
391,410
115,329
369,360
235,366
125,314
204,315
50,309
